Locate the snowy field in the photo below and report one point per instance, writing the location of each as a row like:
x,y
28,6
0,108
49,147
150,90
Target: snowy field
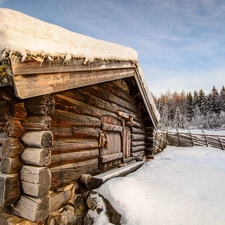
x,y
184,186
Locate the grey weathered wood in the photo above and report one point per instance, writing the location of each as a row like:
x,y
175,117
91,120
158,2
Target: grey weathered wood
x,y
31,208
36,156
36,181
12,147
37,139
9,188
37,122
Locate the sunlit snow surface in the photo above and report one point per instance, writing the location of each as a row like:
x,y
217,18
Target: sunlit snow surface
x,y
180,186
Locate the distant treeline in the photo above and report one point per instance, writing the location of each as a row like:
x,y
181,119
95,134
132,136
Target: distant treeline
x,y
192,110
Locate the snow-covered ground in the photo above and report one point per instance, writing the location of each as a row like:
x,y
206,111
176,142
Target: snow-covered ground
x,y
184,186
208,132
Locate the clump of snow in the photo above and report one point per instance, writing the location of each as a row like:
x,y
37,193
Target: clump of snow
x,y
20,33
180,186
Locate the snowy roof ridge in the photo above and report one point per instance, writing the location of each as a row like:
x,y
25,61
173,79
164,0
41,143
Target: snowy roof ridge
x,y
23,34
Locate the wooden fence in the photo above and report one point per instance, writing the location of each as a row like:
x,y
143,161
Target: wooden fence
x,y
161,139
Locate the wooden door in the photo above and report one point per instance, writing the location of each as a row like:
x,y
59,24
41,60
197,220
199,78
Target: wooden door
x,y
111,153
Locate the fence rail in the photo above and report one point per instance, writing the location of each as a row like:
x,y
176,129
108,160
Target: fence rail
x,y
161,139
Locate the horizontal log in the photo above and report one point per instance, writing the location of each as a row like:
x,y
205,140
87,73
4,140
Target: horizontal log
x,y
137,130
41,105
83,132
137,143
138,148
72,105
138,124
3,137
62,132
36,156
37,122
16,111
111,127
69,119
111,157
31,208
13,128
64,146
109,97
36,181
65,174
71,157
9,188
137,137
4,106
10,165
37,139
12,147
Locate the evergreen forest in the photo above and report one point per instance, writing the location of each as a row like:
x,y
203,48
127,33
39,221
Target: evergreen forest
x,y
195,110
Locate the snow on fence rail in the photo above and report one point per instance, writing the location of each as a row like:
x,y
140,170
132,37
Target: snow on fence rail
x,y
189,139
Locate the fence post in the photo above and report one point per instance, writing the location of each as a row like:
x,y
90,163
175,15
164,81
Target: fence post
x,y
220,143
206,140
178,136
192,141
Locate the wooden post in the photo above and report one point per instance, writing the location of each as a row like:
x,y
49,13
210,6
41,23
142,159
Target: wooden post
x,y
178,136
221,143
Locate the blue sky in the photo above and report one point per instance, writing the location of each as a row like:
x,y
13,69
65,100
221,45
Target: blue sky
x,y
180,43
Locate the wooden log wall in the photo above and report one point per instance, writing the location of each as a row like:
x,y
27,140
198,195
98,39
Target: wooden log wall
x,y
77,129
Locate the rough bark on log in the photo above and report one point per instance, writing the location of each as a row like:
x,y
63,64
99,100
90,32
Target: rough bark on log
x,y
62,175
36,156
138,148
10,165
137,130
64,146
34,209
4,106
2,138
9,188
69,119
38,139
65,158
62,132
41,105
137,143
12,147
16,111
13,128
36,181
37,122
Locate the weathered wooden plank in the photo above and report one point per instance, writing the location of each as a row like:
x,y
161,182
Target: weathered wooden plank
x,y
71,157
59,65
111,127
68,104
56,82
9,188
70,119
86,132
12,147
137,130
10,165
36,156
65,174
37,122
68,145
34,209
36,181
37,139
62,132
111,157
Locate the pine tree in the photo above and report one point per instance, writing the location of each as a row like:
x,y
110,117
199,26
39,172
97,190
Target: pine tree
x,y
216,108
202,102
222,98
189,107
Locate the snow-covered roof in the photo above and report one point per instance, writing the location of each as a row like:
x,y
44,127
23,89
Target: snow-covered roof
x,y
27,35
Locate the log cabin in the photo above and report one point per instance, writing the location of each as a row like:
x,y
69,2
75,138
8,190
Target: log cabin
x,y
74,111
